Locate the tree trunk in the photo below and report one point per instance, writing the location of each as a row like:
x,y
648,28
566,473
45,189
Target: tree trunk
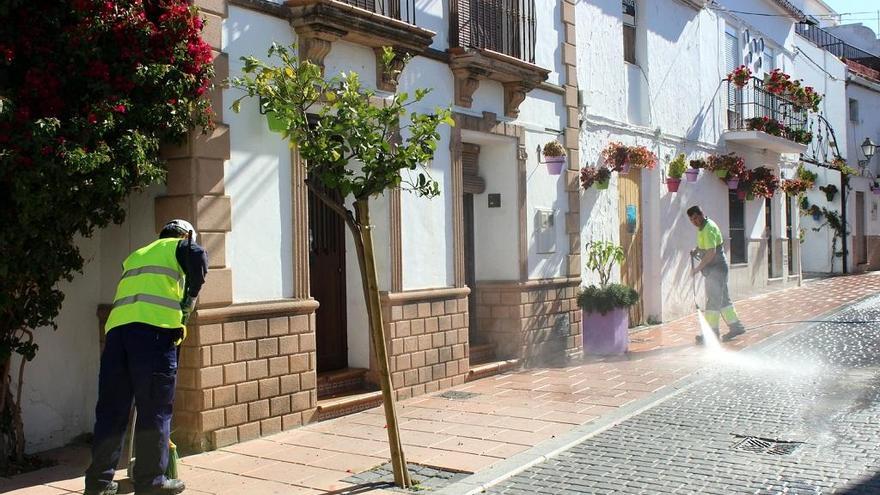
x,y
367,261
11,427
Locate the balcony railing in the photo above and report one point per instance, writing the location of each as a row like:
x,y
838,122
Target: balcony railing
x,y
402,10
753,108
836,46
503,26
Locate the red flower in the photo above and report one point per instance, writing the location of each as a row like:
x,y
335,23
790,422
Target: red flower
x,y
92,118
119,108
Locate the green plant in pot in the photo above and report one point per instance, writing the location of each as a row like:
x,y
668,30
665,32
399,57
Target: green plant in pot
x,y
674,172
598,176
605,318
830,190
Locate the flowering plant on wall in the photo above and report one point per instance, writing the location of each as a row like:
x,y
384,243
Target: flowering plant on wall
x,y
600,176
740,76
729,166
780,83
620,157
795,187
766,124
763,183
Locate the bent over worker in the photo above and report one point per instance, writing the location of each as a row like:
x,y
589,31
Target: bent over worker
x,y
713,266
157,292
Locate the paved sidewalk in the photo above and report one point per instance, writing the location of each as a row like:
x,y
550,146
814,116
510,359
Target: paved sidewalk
x,y
506,415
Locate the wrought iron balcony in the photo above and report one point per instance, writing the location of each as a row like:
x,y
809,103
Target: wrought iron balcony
x,y
760,118
503,26
402,10
837,47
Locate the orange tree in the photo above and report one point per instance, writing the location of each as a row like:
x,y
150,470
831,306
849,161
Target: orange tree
x,y
353,147
88,91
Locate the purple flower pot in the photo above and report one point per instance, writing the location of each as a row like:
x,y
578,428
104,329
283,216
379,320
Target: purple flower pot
x,y
605,334
624,169
554,164
732,184
692,174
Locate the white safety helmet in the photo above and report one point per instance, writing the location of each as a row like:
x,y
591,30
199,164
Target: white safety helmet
x,y
181,226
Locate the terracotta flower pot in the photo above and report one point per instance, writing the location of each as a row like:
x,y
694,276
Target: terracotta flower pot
x,y
732,184
672,184
606,334
554,164
692,174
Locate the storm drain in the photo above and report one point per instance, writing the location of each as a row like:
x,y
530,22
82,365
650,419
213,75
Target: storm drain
x,y
425,478
456,395
760,445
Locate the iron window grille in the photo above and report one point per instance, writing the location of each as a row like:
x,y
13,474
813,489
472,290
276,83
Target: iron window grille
x,y
402,10
503,26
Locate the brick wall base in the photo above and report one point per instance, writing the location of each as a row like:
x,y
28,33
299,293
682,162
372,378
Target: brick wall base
x,y
536,321
245,371
427,333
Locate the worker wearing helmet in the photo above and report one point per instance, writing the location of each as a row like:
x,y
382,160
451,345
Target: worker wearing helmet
x,y
155,296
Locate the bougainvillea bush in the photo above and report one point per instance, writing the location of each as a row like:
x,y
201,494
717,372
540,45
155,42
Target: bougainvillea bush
x,y
88,91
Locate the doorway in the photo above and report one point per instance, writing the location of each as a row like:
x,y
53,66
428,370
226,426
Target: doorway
x,y
327,284
630,215
859,239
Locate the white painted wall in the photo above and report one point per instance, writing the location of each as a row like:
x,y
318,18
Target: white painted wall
x,y
545,192
257,174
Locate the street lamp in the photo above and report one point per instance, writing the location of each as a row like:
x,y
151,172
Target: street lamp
x,y
868,149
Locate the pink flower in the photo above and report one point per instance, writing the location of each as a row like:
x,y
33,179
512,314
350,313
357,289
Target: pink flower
x,y
119,108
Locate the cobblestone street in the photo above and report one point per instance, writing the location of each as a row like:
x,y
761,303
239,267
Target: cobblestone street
x,y
815,392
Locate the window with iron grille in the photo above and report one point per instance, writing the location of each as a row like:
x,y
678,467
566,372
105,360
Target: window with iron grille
x,y
737,229
629,31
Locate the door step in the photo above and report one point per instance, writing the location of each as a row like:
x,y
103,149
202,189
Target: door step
x,y
340,382
492,368
481,354
334,407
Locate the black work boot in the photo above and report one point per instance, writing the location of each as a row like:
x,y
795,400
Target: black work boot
x,y
735,329
110,489
700,340
169,487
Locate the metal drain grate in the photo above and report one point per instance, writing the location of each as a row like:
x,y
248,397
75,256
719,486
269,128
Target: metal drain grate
x,y
760,445
456,395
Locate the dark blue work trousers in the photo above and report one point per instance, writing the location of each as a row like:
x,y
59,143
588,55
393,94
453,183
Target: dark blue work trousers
x,y
139,362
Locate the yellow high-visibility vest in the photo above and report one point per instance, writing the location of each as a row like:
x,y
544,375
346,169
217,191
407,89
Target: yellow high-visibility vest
x,y
151,288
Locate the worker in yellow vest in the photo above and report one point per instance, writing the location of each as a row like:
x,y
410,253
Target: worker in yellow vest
x,y
155,296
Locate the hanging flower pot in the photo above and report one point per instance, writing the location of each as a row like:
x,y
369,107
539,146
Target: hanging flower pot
x,y
601,185
672,184
741,194
276,124
750,196
876,191
624,168
554,164
721,173
692,174
732,184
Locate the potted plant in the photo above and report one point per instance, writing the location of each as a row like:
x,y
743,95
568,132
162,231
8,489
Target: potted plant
x,y
674,172
605,319
830,190
694,172
728,168
600,176
762,183
795,187
621,157
554,157
740,76
875,188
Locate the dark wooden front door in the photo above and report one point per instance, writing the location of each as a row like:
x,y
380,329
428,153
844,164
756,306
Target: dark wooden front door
x,y
327,282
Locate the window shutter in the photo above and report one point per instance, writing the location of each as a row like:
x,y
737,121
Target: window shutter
x,y
731,52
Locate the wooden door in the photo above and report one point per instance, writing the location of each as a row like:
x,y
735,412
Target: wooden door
x,y
630,215
470,270
859,239
327,283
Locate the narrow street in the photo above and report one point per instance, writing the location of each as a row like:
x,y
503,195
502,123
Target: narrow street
x,y
814,392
